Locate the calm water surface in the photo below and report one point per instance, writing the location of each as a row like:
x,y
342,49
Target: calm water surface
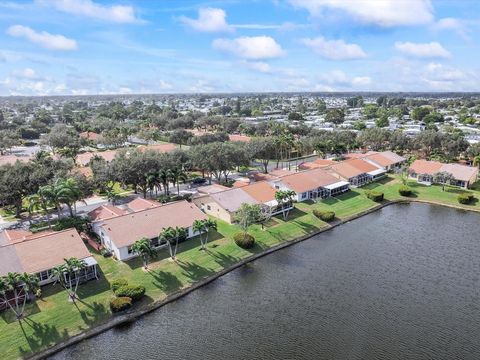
x,y
402,283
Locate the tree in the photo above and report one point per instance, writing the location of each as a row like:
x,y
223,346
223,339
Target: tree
x,y
61,136
246,215
262,149
443,177
180,136
21,285
67,192
295,116
420,112
382,121
177,174
374,138
67,275
370,111
172,236
204,226
41,200
8,139
336,116
143,248
284,199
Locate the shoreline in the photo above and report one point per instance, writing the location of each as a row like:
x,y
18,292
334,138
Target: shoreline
x,y
117,320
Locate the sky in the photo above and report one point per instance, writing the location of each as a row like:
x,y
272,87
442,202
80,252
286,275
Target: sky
x,y
84,47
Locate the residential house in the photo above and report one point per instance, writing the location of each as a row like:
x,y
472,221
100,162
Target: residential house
x,y
119,233
424,172
22,251
388,160
311,185
357,172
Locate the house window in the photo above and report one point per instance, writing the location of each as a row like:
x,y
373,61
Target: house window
x,y
44,275
277,187
130,250
209,207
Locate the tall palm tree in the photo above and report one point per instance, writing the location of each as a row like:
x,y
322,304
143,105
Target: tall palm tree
x,y
172,237
153,182
68,192
176,175
20,285
65,273
40,200
165,176
199,227
143,247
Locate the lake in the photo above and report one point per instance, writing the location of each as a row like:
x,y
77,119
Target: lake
x,y
400,283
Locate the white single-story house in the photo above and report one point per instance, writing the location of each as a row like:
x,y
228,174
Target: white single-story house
x,y
119,233
424,172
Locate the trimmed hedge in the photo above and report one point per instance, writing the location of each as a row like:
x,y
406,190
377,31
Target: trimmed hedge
x,y
376,196
118,283
404,190
324,215
245,241
120,304
465,198
135,292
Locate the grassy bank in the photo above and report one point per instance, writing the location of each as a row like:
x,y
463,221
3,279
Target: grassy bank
x,y
53,319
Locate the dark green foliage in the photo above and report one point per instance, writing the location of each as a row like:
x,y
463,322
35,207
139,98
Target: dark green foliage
x,y
118,283
135,292
324,215
120,304
376,196
76,222
404,190
465,198
245,241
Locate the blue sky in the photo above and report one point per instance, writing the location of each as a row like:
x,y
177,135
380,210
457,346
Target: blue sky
x,y
68,47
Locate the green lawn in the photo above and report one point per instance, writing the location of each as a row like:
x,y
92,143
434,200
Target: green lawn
x,y
52,318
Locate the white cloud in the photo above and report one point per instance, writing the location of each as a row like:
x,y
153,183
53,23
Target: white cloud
x,y
163,85
260,66
44,39
209,20
361,81
334,49
452,24
439,72
26,73
88,8
250,47
422,50
385,13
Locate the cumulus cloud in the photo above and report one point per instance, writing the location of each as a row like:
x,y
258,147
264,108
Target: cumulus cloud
x,y
334,49
27,73
111,13
250,47
44,39
422,50
164,85
385,13
209,20
439,72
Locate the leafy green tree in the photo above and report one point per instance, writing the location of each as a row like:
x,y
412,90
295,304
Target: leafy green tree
x,y
335,116
443,177
247,215
264,150
285,199
420,112
21,285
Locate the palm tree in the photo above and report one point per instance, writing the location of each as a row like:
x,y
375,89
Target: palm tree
x,y
68,192
20,285
65,273
173,235
199,227
153,182
143,247
40,200
205,226
176,175
476,161
112,196
165,175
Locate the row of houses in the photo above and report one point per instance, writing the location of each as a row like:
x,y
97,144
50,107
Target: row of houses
x,y
425,173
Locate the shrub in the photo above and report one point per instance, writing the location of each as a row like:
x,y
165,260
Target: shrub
x,y
120,303
404,190
465,198
245,241
118,283
76,222
324,215
106,253
135,292
376,196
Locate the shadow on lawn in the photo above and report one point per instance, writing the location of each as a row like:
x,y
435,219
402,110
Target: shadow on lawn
x,y
165,281
9,316
223,260
39,336
194,271
94,313
292,215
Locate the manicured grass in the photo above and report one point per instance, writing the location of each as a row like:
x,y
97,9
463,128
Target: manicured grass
x,y
53,319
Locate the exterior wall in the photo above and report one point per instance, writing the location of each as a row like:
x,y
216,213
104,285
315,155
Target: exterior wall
x,y
211,207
